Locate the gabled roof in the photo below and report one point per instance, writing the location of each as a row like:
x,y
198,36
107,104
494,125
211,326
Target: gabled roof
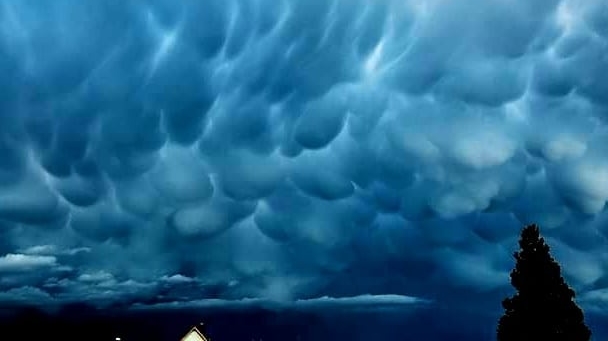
x,y
194,335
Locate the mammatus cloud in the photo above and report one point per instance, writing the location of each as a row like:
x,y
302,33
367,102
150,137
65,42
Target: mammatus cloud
x,y
284,150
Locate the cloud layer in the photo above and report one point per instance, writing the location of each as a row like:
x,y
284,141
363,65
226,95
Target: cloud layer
x,y
282,150
328,304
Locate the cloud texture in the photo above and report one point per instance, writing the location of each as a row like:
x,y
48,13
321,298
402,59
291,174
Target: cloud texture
x,y
158,151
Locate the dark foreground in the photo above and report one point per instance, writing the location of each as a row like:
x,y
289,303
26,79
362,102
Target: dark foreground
x,y
80,322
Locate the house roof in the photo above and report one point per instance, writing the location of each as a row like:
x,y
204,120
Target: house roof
x,y
194,334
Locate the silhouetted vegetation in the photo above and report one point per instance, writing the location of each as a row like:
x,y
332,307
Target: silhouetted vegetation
x,y
543,307
78,322
84,322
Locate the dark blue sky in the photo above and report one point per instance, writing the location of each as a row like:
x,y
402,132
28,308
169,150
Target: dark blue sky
x,y
309,155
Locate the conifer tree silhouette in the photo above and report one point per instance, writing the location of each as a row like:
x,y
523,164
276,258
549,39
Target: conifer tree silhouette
x,y
543,307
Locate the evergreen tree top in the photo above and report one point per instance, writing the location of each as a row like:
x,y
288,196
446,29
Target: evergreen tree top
x,y
543,307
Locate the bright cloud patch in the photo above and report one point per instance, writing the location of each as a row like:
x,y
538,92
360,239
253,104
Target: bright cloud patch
x,y
283,150
18,262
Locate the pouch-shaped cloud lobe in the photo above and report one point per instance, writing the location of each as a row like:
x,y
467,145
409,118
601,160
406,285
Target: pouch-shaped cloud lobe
x,y
175,151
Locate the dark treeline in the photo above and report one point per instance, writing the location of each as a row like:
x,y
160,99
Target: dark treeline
x,y
78,322
82,322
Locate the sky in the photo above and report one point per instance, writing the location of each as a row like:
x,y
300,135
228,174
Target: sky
x,y
320,155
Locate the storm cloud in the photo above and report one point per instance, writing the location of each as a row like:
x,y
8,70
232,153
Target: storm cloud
x,y
163,151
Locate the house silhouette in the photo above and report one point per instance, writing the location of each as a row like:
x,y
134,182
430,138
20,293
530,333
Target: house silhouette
x,y
196,334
